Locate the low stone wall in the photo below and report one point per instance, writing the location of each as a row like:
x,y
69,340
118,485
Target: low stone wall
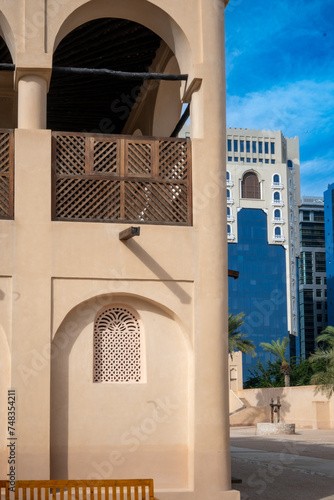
x,y
300,405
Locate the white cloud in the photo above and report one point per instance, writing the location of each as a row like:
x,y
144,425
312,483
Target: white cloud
x,y
316,174
296,108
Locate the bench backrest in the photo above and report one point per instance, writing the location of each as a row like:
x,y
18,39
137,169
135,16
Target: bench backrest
x,y
109,489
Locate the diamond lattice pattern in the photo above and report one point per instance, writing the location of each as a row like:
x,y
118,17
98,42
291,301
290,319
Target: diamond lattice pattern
x,y
119,179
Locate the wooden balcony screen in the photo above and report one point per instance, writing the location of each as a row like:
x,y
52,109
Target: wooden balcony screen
x,y
121,179
6,174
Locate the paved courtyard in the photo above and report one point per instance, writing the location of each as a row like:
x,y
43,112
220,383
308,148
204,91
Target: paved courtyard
x,y
299,466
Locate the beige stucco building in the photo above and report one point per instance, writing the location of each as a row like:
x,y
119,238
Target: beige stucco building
x,y
116,349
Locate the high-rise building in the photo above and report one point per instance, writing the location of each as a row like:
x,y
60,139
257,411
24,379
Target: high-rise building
x,y
263,193
329,239
311,273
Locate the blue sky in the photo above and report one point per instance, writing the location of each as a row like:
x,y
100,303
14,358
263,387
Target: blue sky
x,y
280,76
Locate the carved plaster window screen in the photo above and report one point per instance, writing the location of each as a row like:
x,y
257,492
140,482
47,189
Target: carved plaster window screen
x,y
117,346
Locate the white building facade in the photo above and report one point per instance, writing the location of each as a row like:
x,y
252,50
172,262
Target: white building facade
x,y
263,173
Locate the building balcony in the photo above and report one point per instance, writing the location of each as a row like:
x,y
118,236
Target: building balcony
x,y
278,220
230,237
229,183
230,201
278,238
230,218
6,174
277,203
101,178
277,185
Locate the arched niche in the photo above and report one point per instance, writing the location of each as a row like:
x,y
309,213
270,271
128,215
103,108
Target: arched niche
x,y
117,430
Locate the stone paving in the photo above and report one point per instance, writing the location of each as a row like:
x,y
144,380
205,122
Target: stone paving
x,y
299,466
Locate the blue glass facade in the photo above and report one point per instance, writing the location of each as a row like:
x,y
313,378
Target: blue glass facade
x,y
329,241
260,290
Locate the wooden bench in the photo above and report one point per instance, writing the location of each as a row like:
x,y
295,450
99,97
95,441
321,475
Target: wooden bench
x,y
109,489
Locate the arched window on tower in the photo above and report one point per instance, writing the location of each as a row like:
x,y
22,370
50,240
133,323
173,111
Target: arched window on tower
x,y
277,213
276,179
250,186
277,196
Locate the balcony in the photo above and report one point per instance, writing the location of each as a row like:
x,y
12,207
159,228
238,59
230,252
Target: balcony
x,y
278,220
278,203
277,185
6,174
100,178
278,238
230,237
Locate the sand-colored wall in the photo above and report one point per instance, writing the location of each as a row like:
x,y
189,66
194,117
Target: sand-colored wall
x,y
174,277
300,405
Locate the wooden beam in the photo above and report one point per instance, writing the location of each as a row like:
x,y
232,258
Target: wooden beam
x,y
233,274
128,233
7,67
119,75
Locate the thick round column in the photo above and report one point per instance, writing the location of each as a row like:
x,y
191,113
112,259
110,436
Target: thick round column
x,y
32,92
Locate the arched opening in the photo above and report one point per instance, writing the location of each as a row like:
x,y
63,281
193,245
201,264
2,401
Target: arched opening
x,y
250,186
5,57
277,213
7,93
93,101
277,196
276,179
278,231
99,87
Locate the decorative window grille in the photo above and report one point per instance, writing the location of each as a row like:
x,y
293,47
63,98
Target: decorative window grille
x,y
117,346
121,179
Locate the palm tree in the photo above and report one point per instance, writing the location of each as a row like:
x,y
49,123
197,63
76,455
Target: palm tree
x,y
278,349
324,379
238,341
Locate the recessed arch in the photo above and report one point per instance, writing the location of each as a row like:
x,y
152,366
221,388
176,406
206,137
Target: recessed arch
x,y
79,403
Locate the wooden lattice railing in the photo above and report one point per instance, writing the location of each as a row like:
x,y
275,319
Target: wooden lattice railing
x,y
6,174
105,489
121,179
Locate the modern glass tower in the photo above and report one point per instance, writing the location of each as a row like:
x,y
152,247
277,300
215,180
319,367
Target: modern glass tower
x,y
312,273
263,194
329,238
